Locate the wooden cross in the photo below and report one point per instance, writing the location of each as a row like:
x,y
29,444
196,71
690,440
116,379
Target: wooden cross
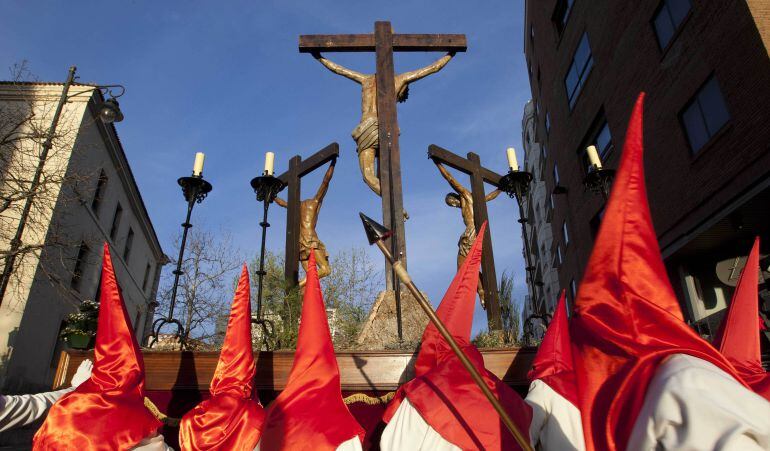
x,y
383,42
479,175
292,178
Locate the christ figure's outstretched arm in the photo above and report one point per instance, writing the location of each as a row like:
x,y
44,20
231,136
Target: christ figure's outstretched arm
x,y
357,77
409,77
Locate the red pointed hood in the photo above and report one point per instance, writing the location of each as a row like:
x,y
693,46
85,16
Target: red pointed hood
x,y
627,319
442,391
107,411
310,413
553,362
739,333
233,417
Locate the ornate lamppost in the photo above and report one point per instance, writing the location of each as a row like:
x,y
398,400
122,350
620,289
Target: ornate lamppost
x,y
109,112
598,179
266,187
516,185
194,189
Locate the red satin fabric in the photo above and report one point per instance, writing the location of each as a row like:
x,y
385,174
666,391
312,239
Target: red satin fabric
x,y
232,418
738,339
443,392
107,411
553,362
310,414
627,319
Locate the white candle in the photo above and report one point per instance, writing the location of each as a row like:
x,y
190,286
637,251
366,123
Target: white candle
x,y
593,157
512,163
269,163
198,166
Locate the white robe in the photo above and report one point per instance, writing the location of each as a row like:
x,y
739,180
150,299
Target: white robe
x,y
556,423
354,444
407,430
692,405
20,410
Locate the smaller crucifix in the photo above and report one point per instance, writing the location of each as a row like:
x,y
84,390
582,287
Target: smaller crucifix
x,y
302,216
474,210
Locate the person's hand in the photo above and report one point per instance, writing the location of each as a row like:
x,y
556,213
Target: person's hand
x,y
451,53
316,54
83,373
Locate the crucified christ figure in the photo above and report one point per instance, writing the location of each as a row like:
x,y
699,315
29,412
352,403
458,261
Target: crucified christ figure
x,y
366,133
463,200
308,238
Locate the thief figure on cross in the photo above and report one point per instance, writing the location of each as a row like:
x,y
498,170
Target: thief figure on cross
x,y
462,198
366,133
308,219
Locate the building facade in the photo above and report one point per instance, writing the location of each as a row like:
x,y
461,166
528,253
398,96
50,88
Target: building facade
x,y
706,72
538,211
89,197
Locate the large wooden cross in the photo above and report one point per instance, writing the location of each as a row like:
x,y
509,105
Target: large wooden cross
x,y
383,42
292,178
479,175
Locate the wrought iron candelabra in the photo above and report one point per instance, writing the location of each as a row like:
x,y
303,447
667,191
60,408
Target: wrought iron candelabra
x,y
194,189
599,180
266,187
516,185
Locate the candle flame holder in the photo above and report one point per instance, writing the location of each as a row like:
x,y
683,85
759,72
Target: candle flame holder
x,y
599,181
266,187
516,185
194,190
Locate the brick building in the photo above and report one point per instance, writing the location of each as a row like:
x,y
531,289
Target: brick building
x,y
706,71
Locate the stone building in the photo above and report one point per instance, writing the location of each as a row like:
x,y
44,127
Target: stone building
x,y
538,212
706,71
90,198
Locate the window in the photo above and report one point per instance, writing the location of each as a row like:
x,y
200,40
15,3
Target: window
x,y
598,135
146,277
555,175
129,242
704,115
553,204
545,151
557,257
668,18
573,289
80,262
603,140
582,62
101,184
561,14
116,221
547,123
564,232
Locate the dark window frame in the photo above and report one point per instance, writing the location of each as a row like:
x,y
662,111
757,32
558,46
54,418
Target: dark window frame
x,y
598,124
80,262
582,74
692,102
117,218
663,7
561,14
101,184
128,245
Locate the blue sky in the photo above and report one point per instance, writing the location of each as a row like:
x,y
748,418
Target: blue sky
x,y
225,78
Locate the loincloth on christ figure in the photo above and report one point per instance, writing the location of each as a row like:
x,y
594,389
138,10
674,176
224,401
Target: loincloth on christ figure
x,y
466,240
366,134
307,244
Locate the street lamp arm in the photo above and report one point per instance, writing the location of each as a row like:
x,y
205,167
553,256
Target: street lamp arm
x,y
108,89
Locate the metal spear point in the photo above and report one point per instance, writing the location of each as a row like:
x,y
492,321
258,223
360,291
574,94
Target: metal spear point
x,y
376,233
